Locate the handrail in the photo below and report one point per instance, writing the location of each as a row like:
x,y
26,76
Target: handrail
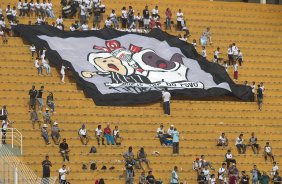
x,y
15,136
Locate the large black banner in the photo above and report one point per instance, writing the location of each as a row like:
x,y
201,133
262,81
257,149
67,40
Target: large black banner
x,y
121,68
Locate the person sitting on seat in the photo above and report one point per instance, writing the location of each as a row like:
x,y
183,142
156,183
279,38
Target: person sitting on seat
x,y
108,135
268,152
142,157
47,117
45,135
55,133
253,143
83,134
222,140
99,135
117,137
240,144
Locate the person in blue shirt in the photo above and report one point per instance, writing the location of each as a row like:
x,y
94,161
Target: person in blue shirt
x,y
175,141
174,176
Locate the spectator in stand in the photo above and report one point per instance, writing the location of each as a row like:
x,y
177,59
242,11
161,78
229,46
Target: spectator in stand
x,y
31,8
108,134
264,179
46,164
9,13
49,9
34,117
84,27
217,59
268,152
201,178
174,176
72,27
206,172
25,8
262,87
20,8
222,174
50,102
42,10
82,13
175,141
14,13
194,43
230,55
142,178
146,18
63,73
40,20
38,66
47,117
142,157
207,34
82,132
260,97
113,18
32,50
97,17
255,175
37,7
129,163
235,69
62,174
235,52
55,133
204,52
179,19
130,16
150,179
197,166
253,143
229,158
234,172
274,169
225,65
244,178
241,147
5,124
108,23
44,133
253,86
32,97
39,98
166,101
240,58
170,131
155,12
204,163
160,133
99,135
276,179
222,140
128,154
60,20
117,137
212,179
45,64
138,20
123,17
60,27
64,150
168,15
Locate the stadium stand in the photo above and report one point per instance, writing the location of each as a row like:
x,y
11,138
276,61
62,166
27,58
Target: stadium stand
x,y
255,28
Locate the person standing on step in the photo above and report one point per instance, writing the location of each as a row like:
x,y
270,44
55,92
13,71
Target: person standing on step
x,y
175,141
32,50
253,86
166,101
235,69
39,98
46,164
32,97
62,174
174,176
63,73
260,97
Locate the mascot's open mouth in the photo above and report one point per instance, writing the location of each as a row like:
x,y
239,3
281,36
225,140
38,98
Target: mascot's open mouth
x,y
112,66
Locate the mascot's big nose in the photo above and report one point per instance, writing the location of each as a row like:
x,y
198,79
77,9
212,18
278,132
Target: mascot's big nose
x,y
153,60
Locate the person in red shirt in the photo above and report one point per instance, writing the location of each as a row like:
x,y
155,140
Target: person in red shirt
x,y
108,134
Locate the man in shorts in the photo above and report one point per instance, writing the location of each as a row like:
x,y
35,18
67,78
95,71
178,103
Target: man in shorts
x,y
32,97
39,98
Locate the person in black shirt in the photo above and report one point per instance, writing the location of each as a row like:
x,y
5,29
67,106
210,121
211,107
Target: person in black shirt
x,y
46,164
39,98
146,17
97,15
245,178
276,179
260,97
32,97
130,16
64,149
150,179
129,170
201,178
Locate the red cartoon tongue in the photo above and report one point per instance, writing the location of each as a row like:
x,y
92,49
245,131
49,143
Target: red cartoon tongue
x,y
162,65
112,66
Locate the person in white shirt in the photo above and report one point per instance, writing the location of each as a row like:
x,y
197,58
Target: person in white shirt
x,y
82,13
25,8
206,172
60,27
253,86
230,55
9,13
32,50
166,101
43,7
212,179
268,152
179,19
20,8
14,13
59,20
84,27
63,73
37,7
235,52
222,140
31,7
116,135
113,18
204,52
99,135
46,65
170,131
194,43
229,158
222,173
82,132
49,9
235,69
225,65
160,131
108,23
72,28
38,66
62,174
155,12
39,20
217,59
275,169
174,176
240,144
240,58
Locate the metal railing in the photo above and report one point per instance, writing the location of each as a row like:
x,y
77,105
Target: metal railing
x,y
12,169
12,137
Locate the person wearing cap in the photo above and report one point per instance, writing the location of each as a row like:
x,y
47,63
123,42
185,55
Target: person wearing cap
x,y
44,133
108,134
241,147
99,135
55,133
64,149
222,140
229,158
196,165
169,131
47,117
166,101
175,141
62,174
82,132
46,164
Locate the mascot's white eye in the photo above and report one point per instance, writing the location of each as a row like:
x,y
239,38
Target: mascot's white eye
x,y
104,61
